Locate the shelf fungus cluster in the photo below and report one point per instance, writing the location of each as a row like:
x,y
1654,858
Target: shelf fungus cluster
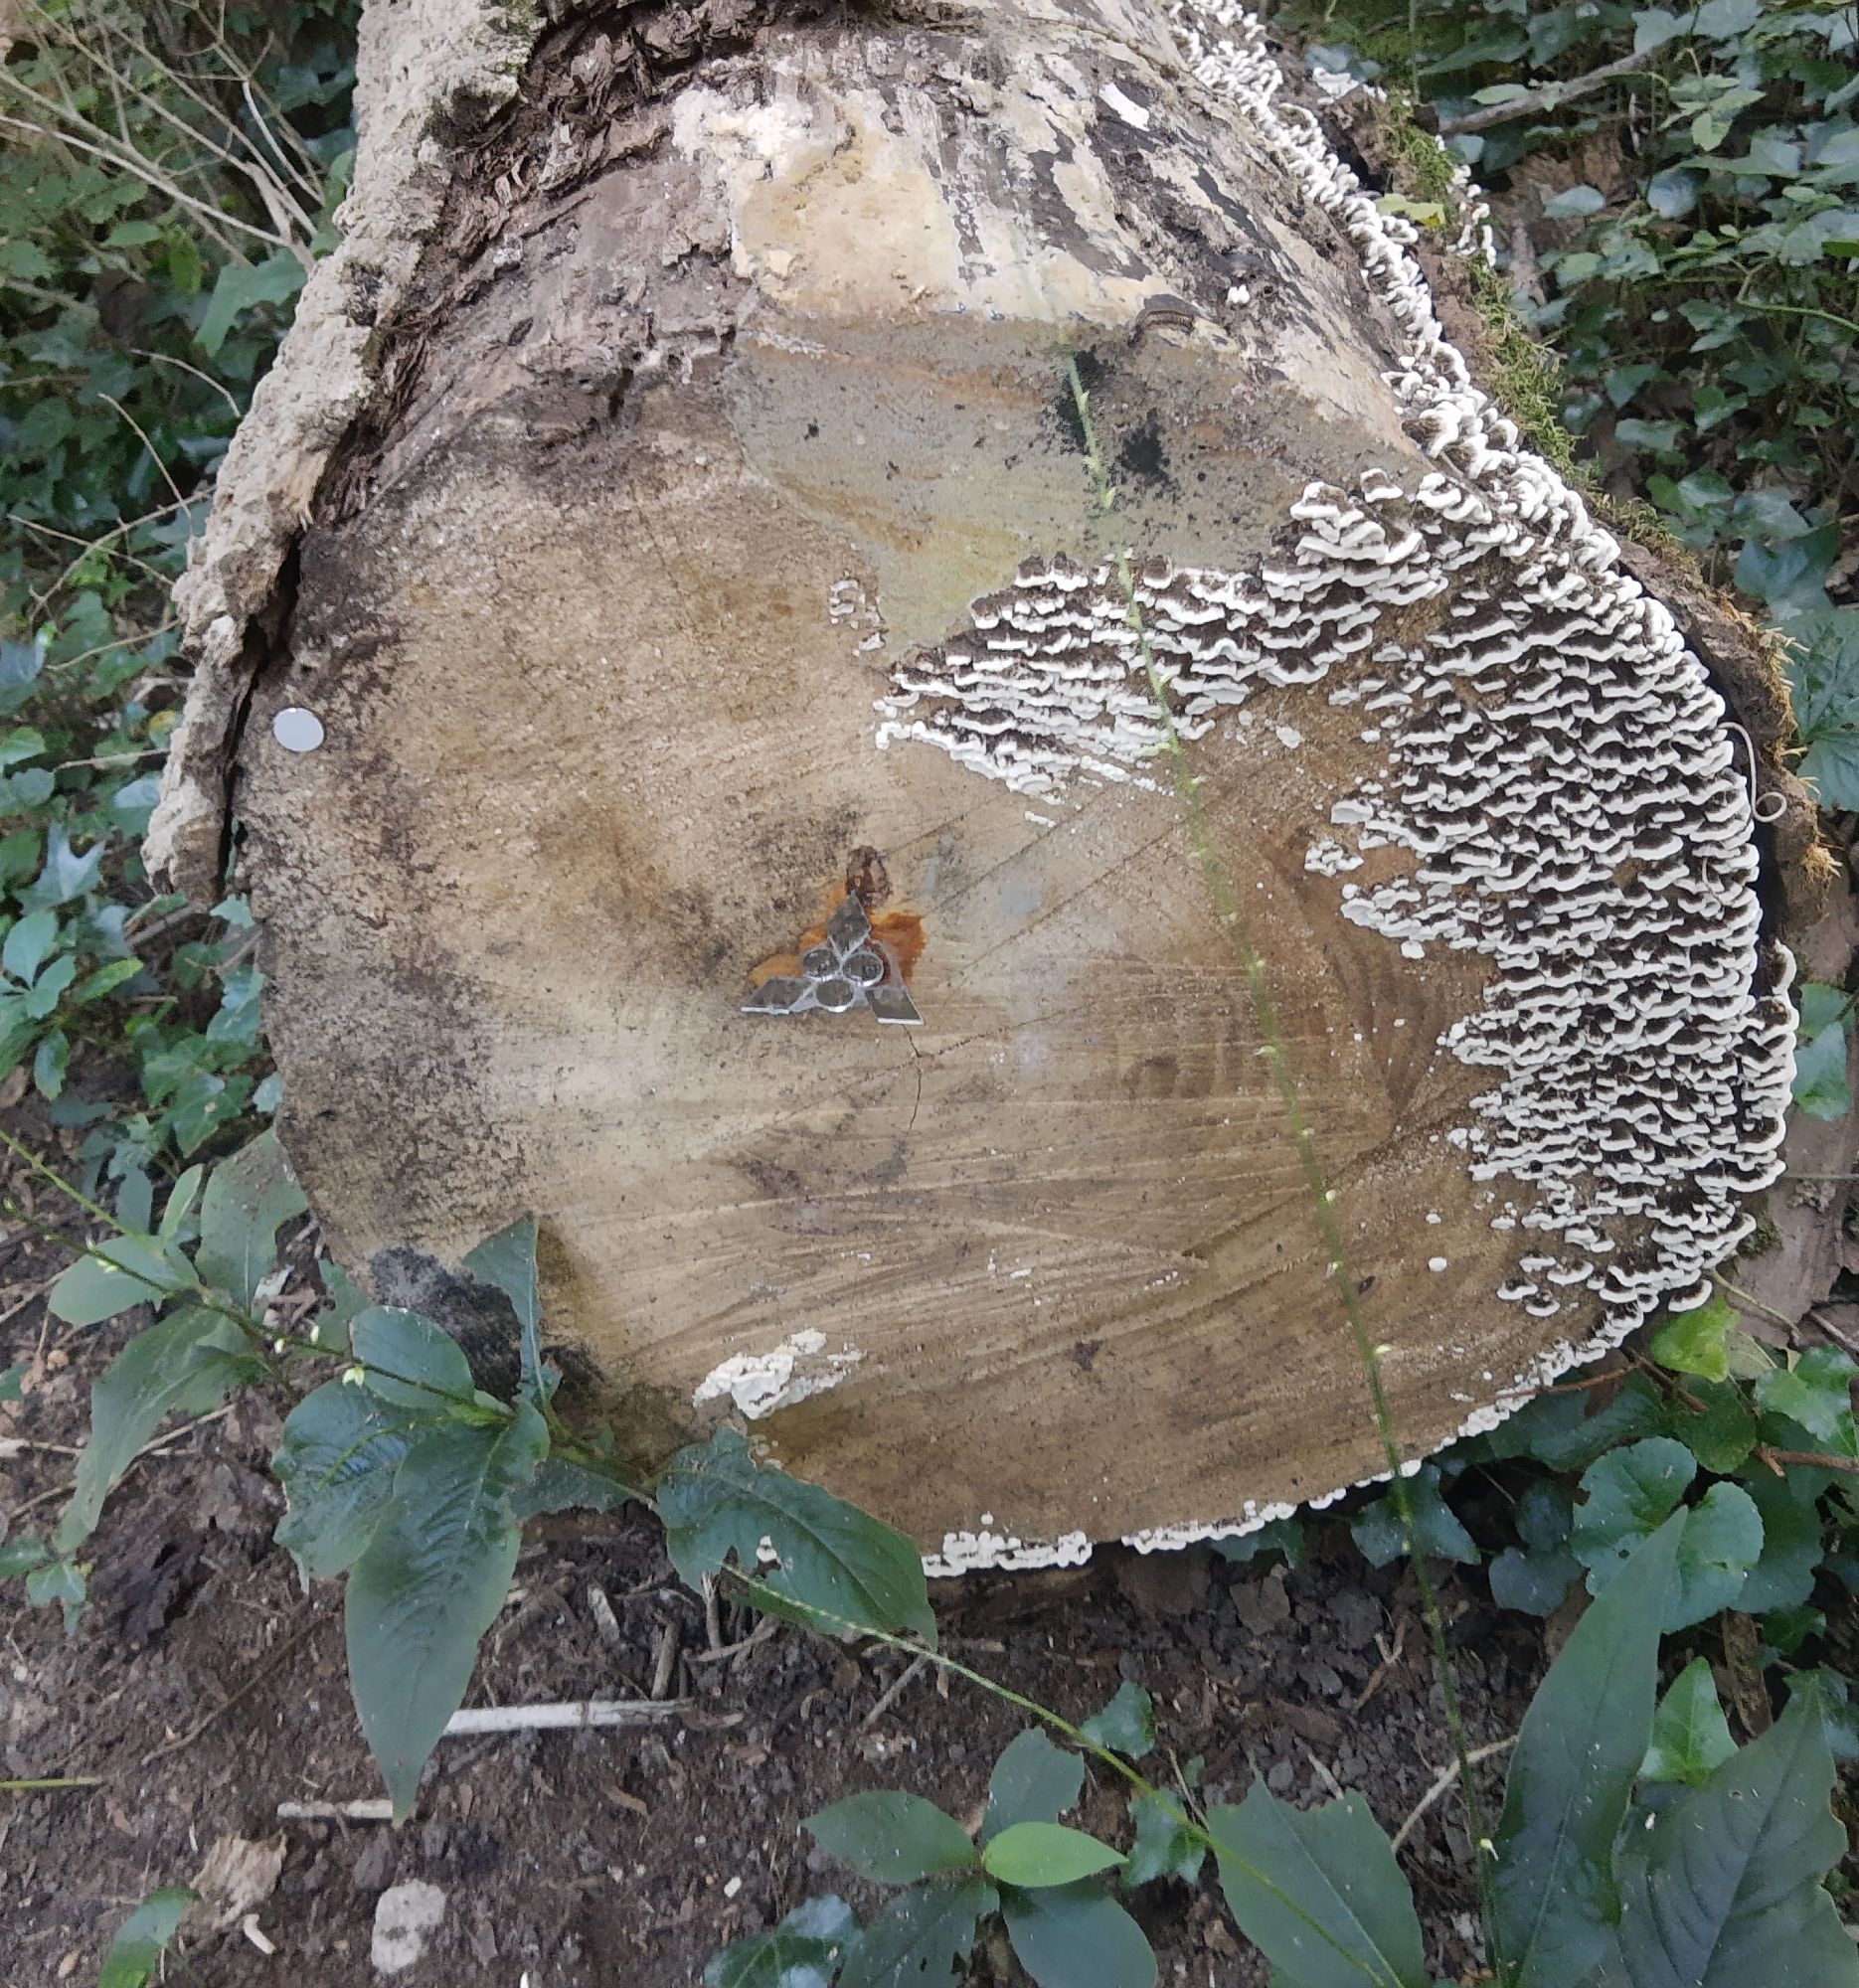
x,y
1560,778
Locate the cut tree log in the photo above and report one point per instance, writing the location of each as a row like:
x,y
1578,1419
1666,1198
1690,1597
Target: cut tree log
x,y
684,511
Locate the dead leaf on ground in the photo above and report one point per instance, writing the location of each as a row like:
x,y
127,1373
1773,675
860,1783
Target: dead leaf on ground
x,y
238,1874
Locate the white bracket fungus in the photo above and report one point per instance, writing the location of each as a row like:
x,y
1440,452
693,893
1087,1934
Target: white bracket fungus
x,y
1557,767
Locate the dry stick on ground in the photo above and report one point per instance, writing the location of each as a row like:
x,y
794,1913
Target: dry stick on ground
x,y
158,1447
576,1714
1448,1777
1552,96
892,1692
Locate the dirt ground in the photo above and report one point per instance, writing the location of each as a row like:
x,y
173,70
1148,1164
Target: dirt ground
x,y
204,1688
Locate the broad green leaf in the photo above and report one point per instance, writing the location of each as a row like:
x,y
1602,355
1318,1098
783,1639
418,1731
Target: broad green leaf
x,y
1045,1853
342,1445
1672,194
1723,1891
891,1838
1033,1781
716,1501
1074,1937
1722,1541
1697,1341
183,1198
1721,1436
1162,1847
1533,1584
51,1061
1319,1891
248,1199
803,1951
12,1381
429,1583
121,1271
66,874
562,1485
1126,1724
1629,1494
1821,1087
1575,203
1560,1431
28,944
1690,1735
1793,1540
143,1937
1581,1746
1437,1534
105,980
409,1361
346,1304
508,1261
1816,1392
921,1937
1831,768
183,1366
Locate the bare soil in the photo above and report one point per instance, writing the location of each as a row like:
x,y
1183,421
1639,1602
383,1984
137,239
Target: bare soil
x,y
204,1688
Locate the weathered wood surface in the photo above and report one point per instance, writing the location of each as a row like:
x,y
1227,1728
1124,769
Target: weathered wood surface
x,y
675,567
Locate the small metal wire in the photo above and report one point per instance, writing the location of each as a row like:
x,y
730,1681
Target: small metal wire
x,y
1765,807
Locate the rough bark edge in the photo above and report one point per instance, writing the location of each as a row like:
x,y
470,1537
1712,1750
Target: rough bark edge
x,y
423,68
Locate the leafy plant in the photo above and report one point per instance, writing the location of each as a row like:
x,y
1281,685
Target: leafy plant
x,y
1639,1847
399,1471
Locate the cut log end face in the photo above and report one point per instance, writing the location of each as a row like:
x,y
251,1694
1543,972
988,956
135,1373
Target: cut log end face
x,y
644,748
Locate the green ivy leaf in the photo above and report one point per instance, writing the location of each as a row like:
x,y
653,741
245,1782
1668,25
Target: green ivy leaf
x,y
1437,1535
1564,1433
1724,1888
508,1261
248,1199
1722,1541
803,1951
1162,1847
1793,1540
1045,1853
342,1445
1629,1494
1074,1937
1815,1391
1690,1735
1280,1535
891,1838
57,1581
921,1937
22,1555
428,1583
1533,1584
1319,1891
50,1060
244,286
1126,1724
143,1937
1581,1746
716,1501
29,945
184,1366
1697,1341
1722,1434
1033,1781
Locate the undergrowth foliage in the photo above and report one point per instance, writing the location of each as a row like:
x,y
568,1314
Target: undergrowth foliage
x,y
1696,173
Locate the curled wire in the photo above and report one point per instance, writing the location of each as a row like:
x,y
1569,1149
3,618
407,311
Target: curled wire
x,y
1765,807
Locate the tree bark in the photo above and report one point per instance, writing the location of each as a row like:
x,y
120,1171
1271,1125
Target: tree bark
x,y
703,534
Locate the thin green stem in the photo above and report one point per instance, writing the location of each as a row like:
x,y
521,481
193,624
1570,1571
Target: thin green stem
x,y
66,1781
1253,970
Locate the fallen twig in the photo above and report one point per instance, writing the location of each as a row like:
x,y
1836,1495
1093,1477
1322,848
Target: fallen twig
x,y
376,1808
577,1713
1447,1776
891,1694
667,1661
